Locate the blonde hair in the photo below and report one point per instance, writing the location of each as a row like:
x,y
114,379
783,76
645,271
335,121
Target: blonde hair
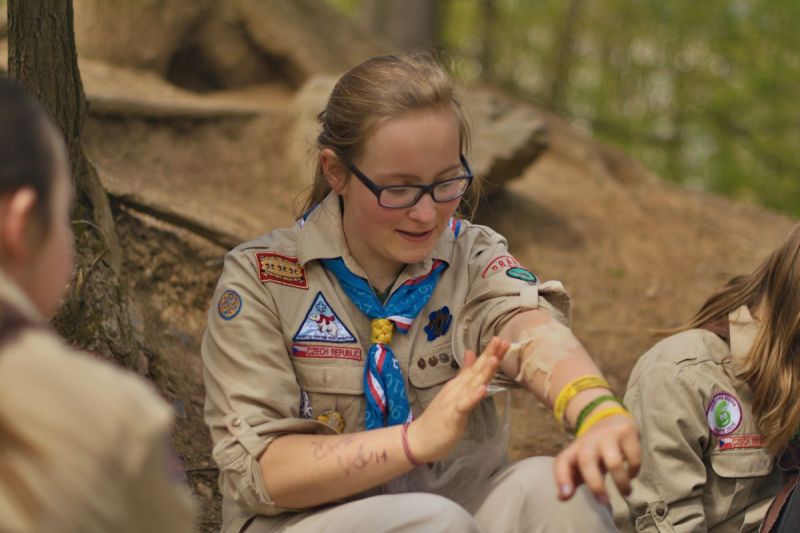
x,y
772,365
378,89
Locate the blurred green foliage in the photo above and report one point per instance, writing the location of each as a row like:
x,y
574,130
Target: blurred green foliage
x,y
704,93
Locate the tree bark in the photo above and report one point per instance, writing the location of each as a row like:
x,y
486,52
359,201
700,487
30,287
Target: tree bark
x,y
562,55
488,31
43,58
407,24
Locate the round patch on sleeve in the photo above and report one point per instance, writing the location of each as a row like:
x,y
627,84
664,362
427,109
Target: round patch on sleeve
x,y
523,274
229,305
724,414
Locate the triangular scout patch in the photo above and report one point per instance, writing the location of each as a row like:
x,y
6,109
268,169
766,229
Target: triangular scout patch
x,y
321,324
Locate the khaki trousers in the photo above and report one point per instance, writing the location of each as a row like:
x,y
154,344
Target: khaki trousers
x,y
520,498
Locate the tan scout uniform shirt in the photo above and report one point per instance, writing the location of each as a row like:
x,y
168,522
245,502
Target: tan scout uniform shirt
x,y
97,435
285,344
702,470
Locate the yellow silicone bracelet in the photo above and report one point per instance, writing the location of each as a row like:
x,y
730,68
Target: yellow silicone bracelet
x,y
571,389
594,418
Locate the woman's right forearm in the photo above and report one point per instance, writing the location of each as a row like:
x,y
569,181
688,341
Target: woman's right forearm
x,y
302,471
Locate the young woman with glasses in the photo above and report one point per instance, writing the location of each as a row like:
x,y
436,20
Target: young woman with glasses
x,y
343,389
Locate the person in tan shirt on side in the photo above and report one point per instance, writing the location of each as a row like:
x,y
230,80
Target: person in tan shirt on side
x,y
343,391
83,444
717,404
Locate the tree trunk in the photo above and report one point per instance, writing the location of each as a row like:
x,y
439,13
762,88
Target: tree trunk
x,y
488,31
43,58
562,55
407,24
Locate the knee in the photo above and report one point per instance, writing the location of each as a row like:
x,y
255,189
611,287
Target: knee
x,y
437,513
534,476
579,512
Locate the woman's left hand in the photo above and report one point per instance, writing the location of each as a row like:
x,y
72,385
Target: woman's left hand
x,y
610,446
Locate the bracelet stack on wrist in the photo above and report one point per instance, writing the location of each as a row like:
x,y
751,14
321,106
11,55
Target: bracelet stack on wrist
x,y
407,449
591,406
589,415
571,390
594,418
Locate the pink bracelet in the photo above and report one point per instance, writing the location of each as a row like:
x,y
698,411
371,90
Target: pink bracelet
x,y
406,448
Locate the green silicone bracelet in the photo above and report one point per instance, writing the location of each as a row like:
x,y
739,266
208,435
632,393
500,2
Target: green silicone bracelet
x,y
591,407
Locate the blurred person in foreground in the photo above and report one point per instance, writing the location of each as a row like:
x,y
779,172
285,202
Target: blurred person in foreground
x,y
343,390
83,444
717,404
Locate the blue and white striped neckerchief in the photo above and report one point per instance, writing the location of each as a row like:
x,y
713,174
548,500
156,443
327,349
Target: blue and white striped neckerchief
x,y
384,387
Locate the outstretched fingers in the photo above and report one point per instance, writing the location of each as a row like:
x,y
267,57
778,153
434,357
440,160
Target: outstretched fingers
x,y
474,379
632,449
566,472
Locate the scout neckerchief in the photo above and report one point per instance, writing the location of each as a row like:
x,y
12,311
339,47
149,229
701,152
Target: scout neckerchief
x,y
387,401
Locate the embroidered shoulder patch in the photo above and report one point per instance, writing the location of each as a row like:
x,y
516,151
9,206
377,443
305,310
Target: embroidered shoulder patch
x,y
229,304
322,325
282,269
522,274
724,414
499,264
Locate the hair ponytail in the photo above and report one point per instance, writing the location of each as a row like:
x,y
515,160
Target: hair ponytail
x,y
772,365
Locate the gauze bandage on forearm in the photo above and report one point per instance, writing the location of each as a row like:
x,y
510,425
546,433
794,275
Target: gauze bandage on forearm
x,y
541,349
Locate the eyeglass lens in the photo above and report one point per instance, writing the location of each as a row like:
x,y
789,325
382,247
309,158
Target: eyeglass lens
x,y
407,196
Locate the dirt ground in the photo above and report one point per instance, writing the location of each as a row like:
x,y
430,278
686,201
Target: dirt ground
x,y
635,253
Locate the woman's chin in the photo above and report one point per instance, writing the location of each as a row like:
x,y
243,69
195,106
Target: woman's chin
x,y
411,256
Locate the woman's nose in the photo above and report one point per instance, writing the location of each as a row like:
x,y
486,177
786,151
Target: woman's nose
x,y
425,209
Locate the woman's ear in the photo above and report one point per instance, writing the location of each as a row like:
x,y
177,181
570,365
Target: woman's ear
x,y
335,171
16,218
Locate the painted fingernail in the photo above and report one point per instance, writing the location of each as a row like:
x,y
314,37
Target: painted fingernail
x,y
603,500
564,489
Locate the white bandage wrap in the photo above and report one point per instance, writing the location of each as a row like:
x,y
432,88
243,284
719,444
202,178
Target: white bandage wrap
x,y
544,346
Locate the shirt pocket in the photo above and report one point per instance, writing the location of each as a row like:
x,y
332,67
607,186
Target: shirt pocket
x,y
735,464
429,370
334,390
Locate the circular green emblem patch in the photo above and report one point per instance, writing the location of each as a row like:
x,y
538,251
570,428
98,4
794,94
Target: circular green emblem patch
x,y
724,414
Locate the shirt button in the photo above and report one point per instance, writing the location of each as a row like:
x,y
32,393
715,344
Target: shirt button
x,y
433,360
661,510
421,363
236,422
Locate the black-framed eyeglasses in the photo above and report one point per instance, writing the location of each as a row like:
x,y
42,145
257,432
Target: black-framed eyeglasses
x,y
399,196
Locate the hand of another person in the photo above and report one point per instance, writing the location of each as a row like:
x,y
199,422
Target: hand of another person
x,y
437,430
612,446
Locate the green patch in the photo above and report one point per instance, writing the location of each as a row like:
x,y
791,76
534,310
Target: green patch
x,y
522,274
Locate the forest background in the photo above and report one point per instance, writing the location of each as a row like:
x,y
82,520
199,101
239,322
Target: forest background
x,y
703,93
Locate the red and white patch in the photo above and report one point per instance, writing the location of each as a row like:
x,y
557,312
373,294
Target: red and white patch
x,y
499,264
743,442
324,351
281,269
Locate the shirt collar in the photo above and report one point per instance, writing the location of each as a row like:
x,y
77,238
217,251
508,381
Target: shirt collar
x,y
743,331
11,293
322,237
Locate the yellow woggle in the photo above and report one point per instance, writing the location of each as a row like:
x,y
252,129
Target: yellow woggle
x,y
382,331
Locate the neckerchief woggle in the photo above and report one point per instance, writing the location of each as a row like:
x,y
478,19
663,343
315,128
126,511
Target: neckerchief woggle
x,y
384,387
